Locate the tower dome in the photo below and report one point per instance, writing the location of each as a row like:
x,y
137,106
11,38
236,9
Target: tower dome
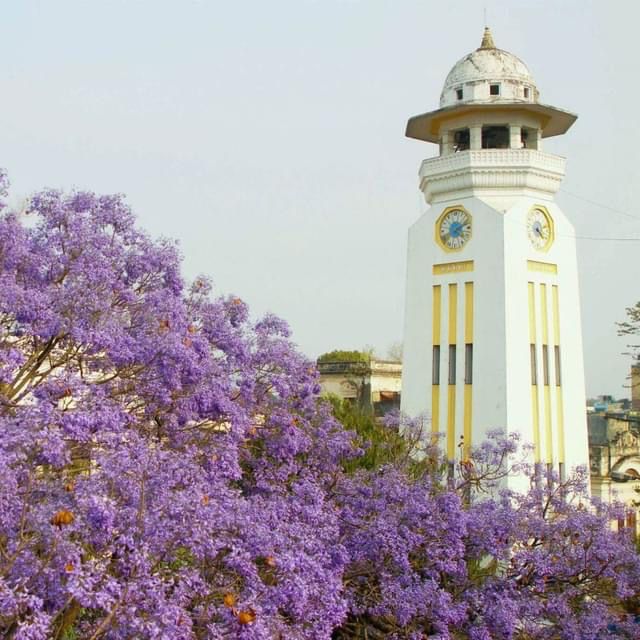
x,y
488,75
488,87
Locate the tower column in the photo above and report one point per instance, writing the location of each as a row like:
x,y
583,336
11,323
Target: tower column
x,y
515,136
475,137
538,139
447,143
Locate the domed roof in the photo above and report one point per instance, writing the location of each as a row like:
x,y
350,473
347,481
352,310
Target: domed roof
x,y
487,64
484,81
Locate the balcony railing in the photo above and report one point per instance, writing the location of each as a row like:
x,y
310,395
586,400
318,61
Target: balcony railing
x,y
491,170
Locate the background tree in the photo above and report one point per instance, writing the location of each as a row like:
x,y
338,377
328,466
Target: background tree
x,y
170,472
394,352
340,355
164,458
380,444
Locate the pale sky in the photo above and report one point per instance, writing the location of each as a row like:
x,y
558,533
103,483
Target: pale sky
x,y
268,137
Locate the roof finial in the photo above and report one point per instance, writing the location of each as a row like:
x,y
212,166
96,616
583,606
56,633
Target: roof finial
x,y
487,40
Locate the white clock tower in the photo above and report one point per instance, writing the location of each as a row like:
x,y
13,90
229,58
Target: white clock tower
x,y
492,323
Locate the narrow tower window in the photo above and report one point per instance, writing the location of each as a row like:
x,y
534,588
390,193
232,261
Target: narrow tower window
x,y
468,364
459,93
526,93
545,364
435,372
556,352
494,90
452,364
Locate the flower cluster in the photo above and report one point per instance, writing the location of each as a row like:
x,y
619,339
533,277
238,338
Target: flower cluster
x,y
170,472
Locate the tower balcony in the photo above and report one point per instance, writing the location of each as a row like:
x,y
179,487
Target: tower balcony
x,y
491,172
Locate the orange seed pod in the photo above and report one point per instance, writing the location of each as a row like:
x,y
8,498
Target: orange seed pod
x,y
62,518
247,617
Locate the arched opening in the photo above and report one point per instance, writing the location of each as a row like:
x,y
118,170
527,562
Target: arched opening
x,y
495,137
461,140
529,138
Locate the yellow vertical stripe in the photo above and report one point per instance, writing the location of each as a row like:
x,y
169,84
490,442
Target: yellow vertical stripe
x,y
532,314
547,423
560,409
536,421
556,315
451,422
555,306
437,309
543,314
435,408
535,409
435,388
544,318
451,395
468,394
467,419
468,312
453,312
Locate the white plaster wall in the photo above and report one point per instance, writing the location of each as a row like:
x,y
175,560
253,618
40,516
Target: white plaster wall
x,y
386,382
562,253
500,249
485,249
416,365
343,386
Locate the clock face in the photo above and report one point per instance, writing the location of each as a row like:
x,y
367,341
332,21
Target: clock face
x,y
540,228
453,229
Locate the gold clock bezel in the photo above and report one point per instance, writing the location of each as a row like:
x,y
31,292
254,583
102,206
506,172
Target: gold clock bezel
x,y
441,217
552,234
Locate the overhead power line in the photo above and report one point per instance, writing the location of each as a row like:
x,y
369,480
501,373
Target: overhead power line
x,y
606,239
602,206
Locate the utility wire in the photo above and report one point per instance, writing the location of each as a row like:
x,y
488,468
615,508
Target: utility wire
x,y
608,208
602,206
578,237
605,239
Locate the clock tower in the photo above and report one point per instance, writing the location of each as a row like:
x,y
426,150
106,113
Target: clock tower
x,y
492,322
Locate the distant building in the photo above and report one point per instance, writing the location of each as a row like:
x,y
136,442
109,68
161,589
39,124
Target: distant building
x,y
607,404
373,385
614,456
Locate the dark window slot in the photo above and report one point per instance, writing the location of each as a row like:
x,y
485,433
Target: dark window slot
x,y
556,352
468,364
452,364
545,364
435,371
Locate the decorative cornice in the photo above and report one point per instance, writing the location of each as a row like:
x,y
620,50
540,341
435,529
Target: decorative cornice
x,y
491,172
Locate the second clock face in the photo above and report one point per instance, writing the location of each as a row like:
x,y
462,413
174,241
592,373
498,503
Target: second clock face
x,y
454,228
540,228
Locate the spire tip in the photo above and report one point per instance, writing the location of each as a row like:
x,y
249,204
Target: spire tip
x,y
487,40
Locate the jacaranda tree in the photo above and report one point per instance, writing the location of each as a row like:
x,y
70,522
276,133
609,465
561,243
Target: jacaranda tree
x,y
167,470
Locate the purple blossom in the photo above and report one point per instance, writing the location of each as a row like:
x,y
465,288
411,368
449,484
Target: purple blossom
x,y
169,471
